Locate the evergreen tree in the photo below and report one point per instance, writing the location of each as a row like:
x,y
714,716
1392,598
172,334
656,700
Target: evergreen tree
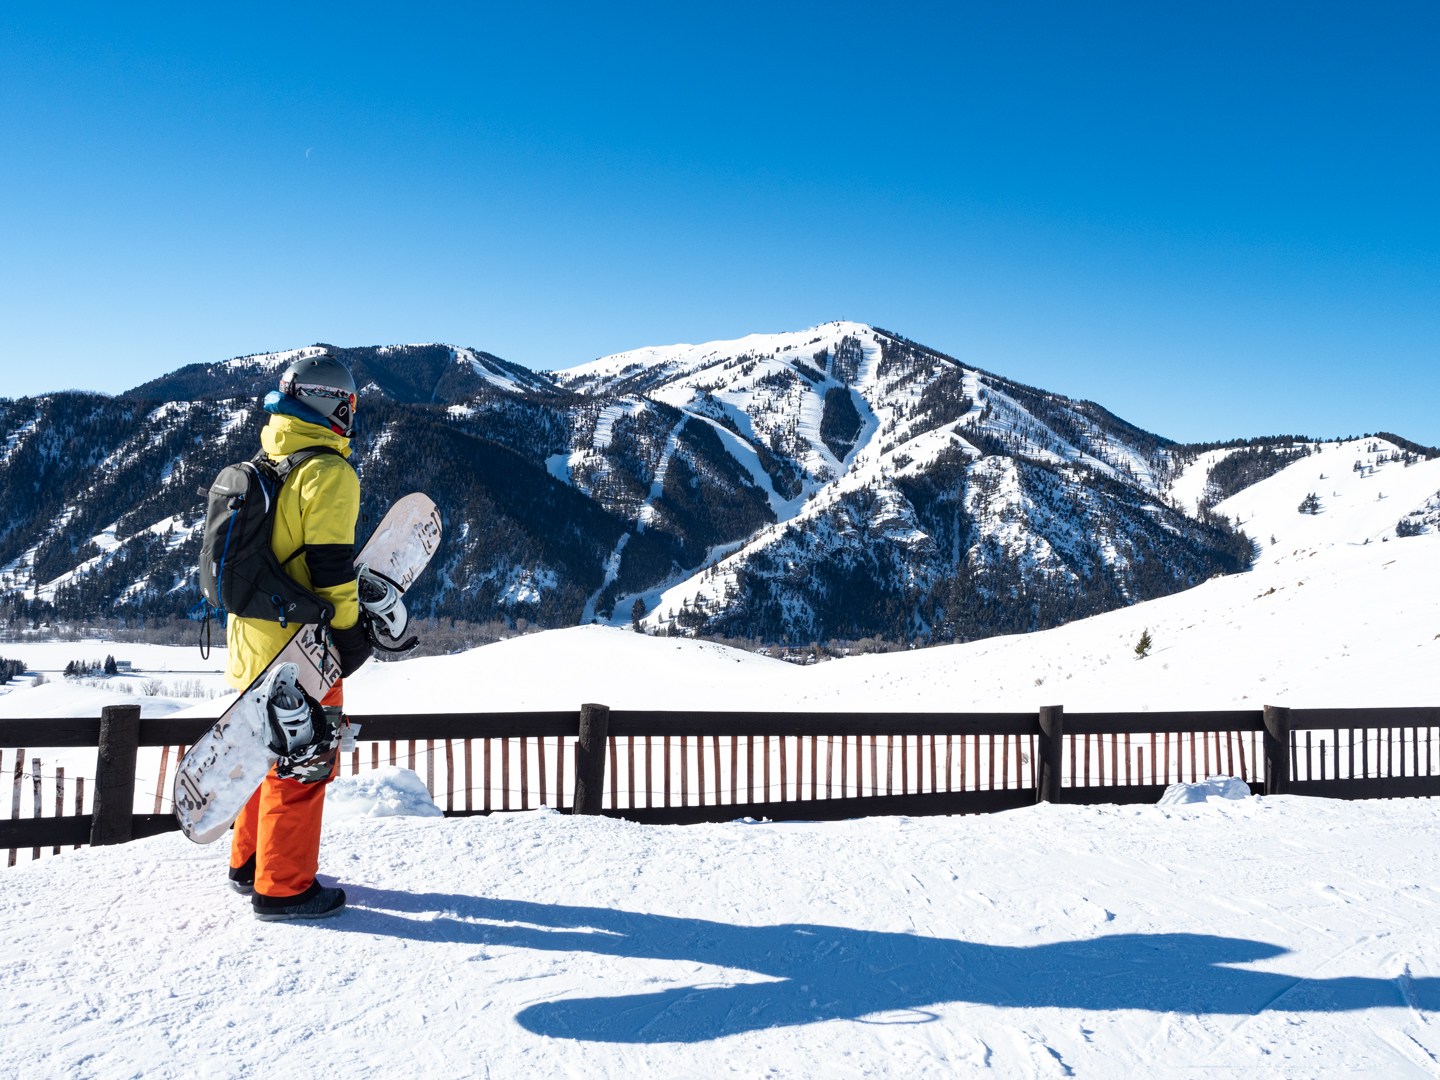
x,y
1142,647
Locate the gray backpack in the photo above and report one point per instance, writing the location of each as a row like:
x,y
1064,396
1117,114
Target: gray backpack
x,y
239,572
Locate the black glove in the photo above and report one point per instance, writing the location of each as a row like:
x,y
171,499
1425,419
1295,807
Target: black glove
x,y
352,646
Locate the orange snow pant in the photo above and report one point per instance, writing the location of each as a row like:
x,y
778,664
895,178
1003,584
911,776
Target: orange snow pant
x,y
280,826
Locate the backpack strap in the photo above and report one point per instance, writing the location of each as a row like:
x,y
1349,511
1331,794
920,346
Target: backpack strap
x,y
286,465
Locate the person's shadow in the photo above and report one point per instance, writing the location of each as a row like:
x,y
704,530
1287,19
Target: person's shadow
x,y
813,973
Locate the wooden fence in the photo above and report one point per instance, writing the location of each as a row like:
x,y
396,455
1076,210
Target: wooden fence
x,y
677,768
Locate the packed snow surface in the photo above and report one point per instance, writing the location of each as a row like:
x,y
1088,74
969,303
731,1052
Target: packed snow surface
x,y
1274,937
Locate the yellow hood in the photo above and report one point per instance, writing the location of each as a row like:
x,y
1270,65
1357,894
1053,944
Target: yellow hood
x,y
283,435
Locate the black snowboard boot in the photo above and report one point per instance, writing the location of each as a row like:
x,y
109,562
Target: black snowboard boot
x,y
316,902
242,878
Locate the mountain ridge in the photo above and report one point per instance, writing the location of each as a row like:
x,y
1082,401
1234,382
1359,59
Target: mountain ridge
x,y
835,482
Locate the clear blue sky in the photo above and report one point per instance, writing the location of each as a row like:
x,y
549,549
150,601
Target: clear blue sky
x,y
1216,219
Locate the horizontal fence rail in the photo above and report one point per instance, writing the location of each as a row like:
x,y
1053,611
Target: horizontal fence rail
x,y
688,767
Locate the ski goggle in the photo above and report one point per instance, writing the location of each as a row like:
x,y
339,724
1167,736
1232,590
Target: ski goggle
x,y
341,414
322,392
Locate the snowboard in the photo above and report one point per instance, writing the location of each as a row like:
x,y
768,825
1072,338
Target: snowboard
x,y
223,769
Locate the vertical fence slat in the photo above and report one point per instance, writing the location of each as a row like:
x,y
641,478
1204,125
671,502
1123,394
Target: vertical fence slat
x,y
60,798
814,766
504,773
485,769
765,767
830,766
890,765
614,774
469,779
784,770
524,773
79,799
159,783
449,773
560,770
35,774
631,777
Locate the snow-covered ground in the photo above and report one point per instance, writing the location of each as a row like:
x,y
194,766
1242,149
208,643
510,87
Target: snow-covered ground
x,y
1277,937
1260,937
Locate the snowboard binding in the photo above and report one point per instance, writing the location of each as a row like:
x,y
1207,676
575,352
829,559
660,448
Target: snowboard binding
x,y
382,610
299,730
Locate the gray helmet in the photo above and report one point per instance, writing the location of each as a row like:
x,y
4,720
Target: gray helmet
x,y
326,386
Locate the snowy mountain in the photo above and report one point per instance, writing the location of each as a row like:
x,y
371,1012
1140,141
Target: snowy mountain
x,y
840,482
912,497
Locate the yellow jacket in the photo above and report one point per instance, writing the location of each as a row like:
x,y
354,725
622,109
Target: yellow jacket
x,y
318,508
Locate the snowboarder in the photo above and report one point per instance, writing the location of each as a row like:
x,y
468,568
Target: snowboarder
x,y
275,850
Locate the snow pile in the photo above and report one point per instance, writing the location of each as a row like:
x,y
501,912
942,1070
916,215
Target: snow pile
x,y
386,792
1214,787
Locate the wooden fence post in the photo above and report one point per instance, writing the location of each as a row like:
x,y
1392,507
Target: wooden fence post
x,y
1048,753
1277,750
114,807
590,758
